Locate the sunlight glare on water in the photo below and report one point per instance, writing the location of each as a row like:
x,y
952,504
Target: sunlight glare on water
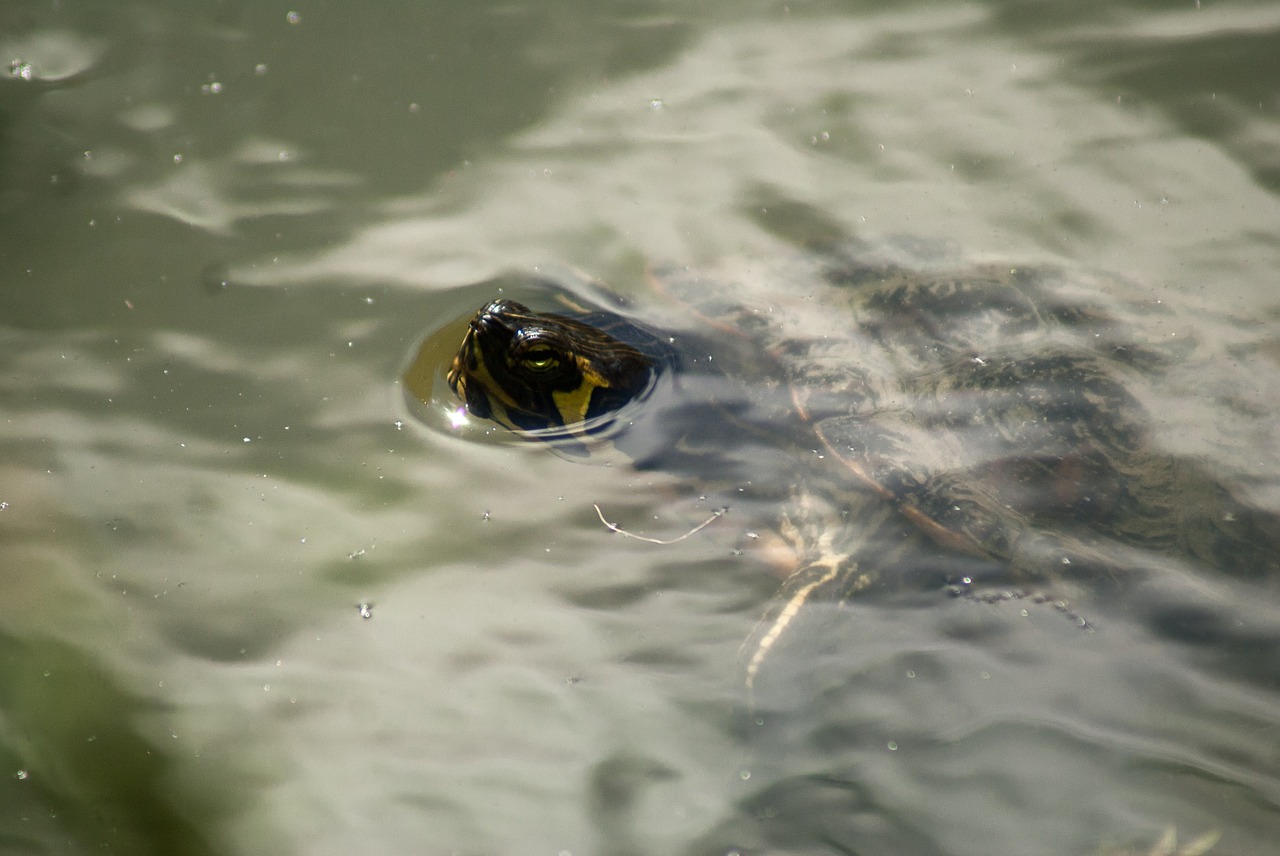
x,y
241,246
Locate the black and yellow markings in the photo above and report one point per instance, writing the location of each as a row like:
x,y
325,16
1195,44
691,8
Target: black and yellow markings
x,y
470,366
575,404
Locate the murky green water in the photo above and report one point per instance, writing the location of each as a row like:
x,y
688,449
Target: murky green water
x,y
225,229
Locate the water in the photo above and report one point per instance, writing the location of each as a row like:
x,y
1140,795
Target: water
x,y
224,232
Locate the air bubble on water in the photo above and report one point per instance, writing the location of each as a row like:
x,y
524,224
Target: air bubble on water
x,y
366,610
656,104
21,775
260,69
745,775
892,745
21,70
293,17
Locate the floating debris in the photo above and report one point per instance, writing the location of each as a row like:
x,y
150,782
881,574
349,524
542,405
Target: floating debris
x,y
613,527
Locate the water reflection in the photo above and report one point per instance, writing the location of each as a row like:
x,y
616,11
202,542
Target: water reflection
x,y
86,761
225,230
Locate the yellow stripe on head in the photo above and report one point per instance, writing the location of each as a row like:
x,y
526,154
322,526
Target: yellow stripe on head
x,y
574,404
589,374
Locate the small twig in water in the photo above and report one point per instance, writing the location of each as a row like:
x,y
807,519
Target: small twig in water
x,y
613,527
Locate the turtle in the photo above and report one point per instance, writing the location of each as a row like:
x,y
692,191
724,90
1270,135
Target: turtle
x,y
988,414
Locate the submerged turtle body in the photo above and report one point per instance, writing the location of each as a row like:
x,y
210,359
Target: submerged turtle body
x,y
995,410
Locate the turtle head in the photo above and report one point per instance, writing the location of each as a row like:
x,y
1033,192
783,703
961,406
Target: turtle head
x,y
542,372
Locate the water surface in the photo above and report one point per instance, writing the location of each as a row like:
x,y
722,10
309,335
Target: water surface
x,y
227,229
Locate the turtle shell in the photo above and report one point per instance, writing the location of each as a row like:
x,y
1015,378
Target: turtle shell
x,y
997,408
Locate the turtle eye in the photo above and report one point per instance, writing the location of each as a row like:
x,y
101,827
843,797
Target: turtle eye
x,y
540,360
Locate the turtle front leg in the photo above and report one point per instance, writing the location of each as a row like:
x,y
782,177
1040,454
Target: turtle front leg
x,y
824,571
